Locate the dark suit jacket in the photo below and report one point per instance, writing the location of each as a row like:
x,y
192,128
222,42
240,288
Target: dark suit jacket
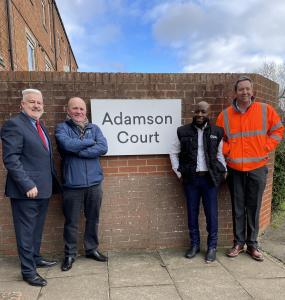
x,y
26,159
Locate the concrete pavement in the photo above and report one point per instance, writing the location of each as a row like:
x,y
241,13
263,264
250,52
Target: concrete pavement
x,y
273,240
141,275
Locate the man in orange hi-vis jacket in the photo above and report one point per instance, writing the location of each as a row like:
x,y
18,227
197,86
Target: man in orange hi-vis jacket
x,y
252,130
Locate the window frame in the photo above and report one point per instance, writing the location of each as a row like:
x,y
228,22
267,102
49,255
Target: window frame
x,y
31,45
48,65
44,13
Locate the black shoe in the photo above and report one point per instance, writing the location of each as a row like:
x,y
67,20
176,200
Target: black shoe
x,y
67,263
95,254
190,253
211,255
44,263
37,280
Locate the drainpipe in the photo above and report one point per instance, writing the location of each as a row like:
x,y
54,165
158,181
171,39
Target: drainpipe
x,y
10,33
54,34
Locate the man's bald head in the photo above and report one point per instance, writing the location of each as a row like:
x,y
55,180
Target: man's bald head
x,y
203,105
201,113
76,109
75,100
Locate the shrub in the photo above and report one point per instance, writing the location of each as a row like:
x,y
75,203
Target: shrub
x,y
278,195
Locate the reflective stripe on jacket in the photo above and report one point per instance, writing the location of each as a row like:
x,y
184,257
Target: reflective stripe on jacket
x,y
250,136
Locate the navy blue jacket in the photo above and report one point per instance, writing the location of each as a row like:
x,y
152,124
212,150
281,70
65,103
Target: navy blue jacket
x,y
26,159
80,154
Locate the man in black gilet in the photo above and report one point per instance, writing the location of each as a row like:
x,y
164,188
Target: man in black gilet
x,y
196,157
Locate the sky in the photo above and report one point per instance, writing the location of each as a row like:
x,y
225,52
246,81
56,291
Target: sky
x,y
173,36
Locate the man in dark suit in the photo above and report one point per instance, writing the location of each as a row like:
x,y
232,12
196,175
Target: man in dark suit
x,y
27,156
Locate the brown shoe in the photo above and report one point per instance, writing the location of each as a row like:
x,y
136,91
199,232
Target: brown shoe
x,y
235,250
255,253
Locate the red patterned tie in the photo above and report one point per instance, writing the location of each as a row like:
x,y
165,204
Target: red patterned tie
x,y
41,133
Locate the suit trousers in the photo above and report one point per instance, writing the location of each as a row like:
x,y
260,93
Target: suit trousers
x,y
246,189
202,187
74,200
29,217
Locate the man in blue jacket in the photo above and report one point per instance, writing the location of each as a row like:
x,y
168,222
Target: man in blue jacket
x,y
80,144
31,180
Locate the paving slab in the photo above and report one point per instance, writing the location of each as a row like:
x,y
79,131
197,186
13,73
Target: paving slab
x,y
265,289
26,291
162,274
139,276
77,287
133,258
137,268
273,239
244,266
207,282
161,292
10,295
81,266
10,269
174,259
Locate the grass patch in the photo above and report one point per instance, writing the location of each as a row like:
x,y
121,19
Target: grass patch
x,y
278,216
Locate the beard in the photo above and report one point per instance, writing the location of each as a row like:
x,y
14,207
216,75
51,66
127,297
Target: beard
x,y
202,124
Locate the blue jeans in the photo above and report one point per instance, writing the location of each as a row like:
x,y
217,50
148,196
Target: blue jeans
x,y
201,187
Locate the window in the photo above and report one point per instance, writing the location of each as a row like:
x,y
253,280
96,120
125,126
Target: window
x,y
49,26
1,51
2,61
44,19
31,45
58,44
65,56
48,66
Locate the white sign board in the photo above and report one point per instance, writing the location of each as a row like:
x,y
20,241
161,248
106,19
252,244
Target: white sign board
x,y
137,126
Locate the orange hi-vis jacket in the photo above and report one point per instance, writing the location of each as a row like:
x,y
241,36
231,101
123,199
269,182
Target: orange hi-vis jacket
x,y
250,136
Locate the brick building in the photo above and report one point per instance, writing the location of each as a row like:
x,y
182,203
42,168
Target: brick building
x,y
33,38
143,204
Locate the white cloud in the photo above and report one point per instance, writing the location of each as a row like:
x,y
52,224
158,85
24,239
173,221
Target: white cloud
x,y
221,35
202,35
91,26
80,11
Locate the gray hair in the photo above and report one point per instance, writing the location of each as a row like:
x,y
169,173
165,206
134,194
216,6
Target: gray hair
x,y
30,91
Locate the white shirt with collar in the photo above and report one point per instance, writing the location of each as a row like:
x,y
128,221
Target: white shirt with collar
x,y
201,161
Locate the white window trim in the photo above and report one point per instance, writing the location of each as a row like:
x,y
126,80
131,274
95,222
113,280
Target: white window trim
x,y
44,16
48,65
49,24
2,61
31,42
58,44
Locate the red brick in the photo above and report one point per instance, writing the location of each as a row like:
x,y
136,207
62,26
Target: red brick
x,y
127,169
136,162
25,14
117,163
158,161
111,170
143,204
147,169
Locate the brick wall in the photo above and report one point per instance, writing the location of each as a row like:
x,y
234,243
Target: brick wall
x,y
143,205
4,44
27,17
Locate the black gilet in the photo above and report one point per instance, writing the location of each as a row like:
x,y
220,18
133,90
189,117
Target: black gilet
x,y
188,137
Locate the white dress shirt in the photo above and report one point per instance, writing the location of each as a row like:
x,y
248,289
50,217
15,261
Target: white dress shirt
x,y
201,161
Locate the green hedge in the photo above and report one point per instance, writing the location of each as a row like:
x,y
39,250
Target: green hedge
x,y
278,196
